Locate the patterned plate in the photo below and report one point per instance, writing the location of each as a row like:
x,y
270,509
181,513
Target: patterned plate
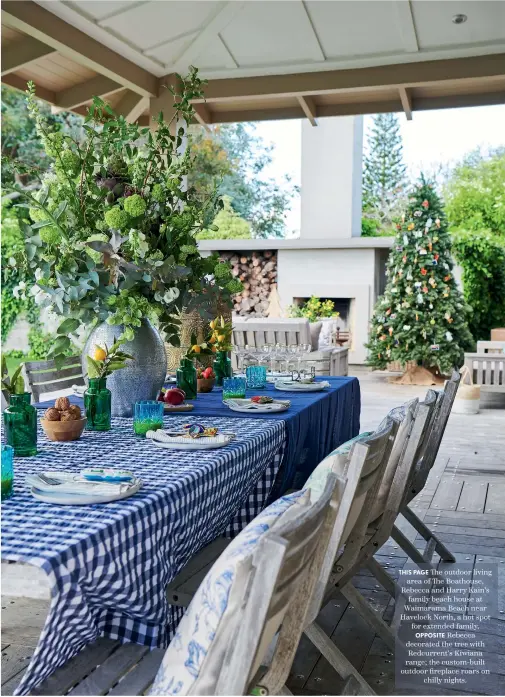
x,y
184,443
246,405
301,387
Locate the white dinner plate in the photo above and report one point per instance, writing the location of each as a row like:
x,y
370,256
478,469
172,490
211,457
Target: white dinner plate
x,y
245,405
301,387
204,443
65,499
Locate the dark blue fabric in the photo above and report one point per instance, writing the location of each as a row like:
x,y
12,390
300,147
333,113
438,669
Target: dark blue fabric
x,y
316,423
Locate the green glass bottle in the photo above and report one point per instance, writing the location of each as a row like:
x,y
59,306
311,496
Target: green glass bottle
x,y
97,403
20,423
222,367
186,378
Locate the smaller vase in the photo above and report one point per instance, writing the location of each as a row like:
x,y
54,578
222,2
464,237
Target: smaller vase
x,y
222,367
97,403
186,378
20,422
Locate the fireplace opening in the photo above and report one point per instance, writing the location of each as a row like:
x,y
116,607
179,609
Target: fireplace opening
x,y
341,305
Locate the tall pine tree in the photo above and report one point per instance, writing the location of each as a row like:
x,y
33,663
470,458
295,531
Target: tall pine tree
x,y
422,316
384,172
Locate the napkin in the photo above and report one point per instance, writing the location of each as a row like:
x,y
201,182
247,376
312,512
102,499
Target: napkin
x,y
75,484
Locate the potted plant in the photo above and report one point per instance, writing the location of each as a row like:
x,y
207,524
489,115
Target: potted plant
x,y
98,398
221,341
112,243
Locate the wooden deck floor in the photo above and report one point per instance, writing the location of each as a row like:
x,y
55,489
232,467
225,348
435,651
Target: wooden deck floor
x,y
464,501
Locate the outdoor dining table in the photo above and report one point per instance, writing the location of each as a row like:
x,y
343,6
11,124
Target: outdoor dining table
x,y
107,565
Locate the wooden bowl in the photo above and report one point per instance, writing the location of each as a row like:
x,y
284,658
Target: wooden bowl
x,y
63,431
205,385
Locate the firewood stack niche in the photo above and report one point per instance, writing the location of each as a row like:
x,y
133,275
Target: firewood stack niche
x,y
258,273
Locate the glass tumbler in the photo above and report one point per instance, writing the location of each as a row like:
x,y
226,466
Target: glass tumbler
x,y
234,388
7,471
256,376
147,416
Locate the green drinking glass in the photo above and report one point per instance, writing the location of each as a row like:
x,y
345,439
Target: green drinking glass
x,y
7,471
147,416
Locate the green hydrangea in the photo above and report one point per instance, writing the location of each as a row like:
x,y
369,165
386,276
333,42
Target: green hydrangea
x,y
234,286
135,205
221,270
116,218
53,143
158,193
69,161
188,249
50,234
37,215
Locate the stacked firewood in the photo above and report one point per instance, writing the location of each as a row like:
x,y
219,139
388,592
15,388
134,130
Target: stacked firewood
x,y
258,273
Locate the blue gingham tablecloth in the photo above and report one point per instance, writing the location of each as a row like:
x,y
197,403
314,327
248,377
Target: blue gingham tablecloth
x,y
108,564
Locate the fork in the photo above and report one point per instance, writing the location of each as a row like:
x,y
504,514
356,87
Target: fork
x,y
51,481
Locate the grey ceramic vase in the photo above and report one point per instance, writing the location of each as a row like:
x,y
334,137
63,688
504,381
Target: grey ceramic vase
x,y
143,377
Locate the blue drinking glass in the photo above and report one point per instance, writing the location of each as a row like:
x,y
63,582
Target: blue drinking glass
x,y
147,416
256,376
7,471
234,388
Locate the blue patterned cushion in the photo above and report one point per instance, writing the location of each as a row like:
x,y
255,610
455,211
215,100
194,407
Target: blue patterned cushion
x,y
193,660
336,462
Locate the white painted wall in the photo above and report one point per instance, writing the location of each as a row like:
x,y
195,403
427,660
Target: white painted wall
x,y
333,273
331,178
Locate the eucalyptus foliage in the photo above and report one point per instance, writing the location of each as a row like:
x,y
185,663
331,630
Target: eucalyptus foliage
x,y
113,228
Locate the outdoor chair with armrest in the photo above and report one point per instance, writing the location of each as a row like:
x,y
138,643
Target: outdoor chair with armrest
x,y
43,376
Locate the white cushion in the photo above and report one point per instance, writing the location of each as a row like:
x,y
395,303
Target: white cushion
x,y
329,326
315,331
337,462
193,661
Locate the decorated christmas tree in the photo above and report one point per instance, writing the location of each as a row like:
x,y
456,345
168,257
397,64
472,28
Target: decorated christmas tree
x,y
422,316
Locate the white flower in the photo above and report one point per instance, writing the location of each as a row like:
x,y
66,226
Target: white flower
x,y
406,327
19,290
171,294
448,336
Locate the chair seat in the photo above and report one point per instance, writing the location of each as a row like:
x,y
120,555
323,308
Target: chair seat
x,y
182,588
105,667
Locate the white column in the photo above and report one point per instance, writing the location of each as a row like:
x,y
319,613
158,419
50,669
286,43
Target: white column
x,y
331,176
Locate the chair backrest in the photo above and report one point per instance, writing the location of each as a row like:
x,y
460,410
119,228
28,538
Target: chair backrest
x,y
491,347
259,331
43,376
286,567
433,437
367,462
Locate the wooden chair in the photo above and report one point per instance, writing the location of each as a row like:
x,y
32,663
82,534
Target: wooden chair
x,y
427,456
276,595
364,472
371,530
44,376
487,370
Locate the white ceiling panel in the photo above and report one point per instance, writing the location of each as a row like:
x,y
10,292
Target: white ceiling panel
x,y
434,26
215,57
98,9
168,53
269,32
155,23
356,28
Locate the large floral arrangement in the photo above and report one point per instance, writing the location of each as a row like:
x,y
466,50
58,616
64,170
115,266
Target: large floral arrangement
x,y
114,226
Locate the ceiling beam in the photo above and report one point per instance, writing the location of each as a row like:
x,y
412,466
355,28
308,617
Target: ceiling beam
x,y
75,96
313,43
220,21
18,54
405,21
387,105
202,115
30,18
131,106
328,81
309,109
19,83
406,102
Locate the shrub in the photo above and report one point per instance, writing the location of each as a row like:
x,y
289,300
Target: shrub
x,y
314,309
482,257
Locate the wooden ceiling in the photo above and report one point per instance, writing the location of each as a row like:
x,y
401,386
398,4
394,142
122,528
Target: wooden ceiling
x,y
75,50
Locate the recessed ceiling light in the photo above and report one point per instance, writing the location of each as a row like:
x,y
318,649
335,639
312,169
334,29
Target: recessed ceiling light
x,y
459,19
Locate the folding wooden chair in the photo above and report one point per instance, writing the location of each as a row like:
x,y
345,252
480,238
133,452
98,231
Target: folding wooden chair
x,y
372,529
282,566
438,422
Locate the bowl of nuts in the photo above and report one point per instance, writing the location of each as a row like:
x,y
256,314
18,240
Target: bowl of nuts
x,y
64,421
